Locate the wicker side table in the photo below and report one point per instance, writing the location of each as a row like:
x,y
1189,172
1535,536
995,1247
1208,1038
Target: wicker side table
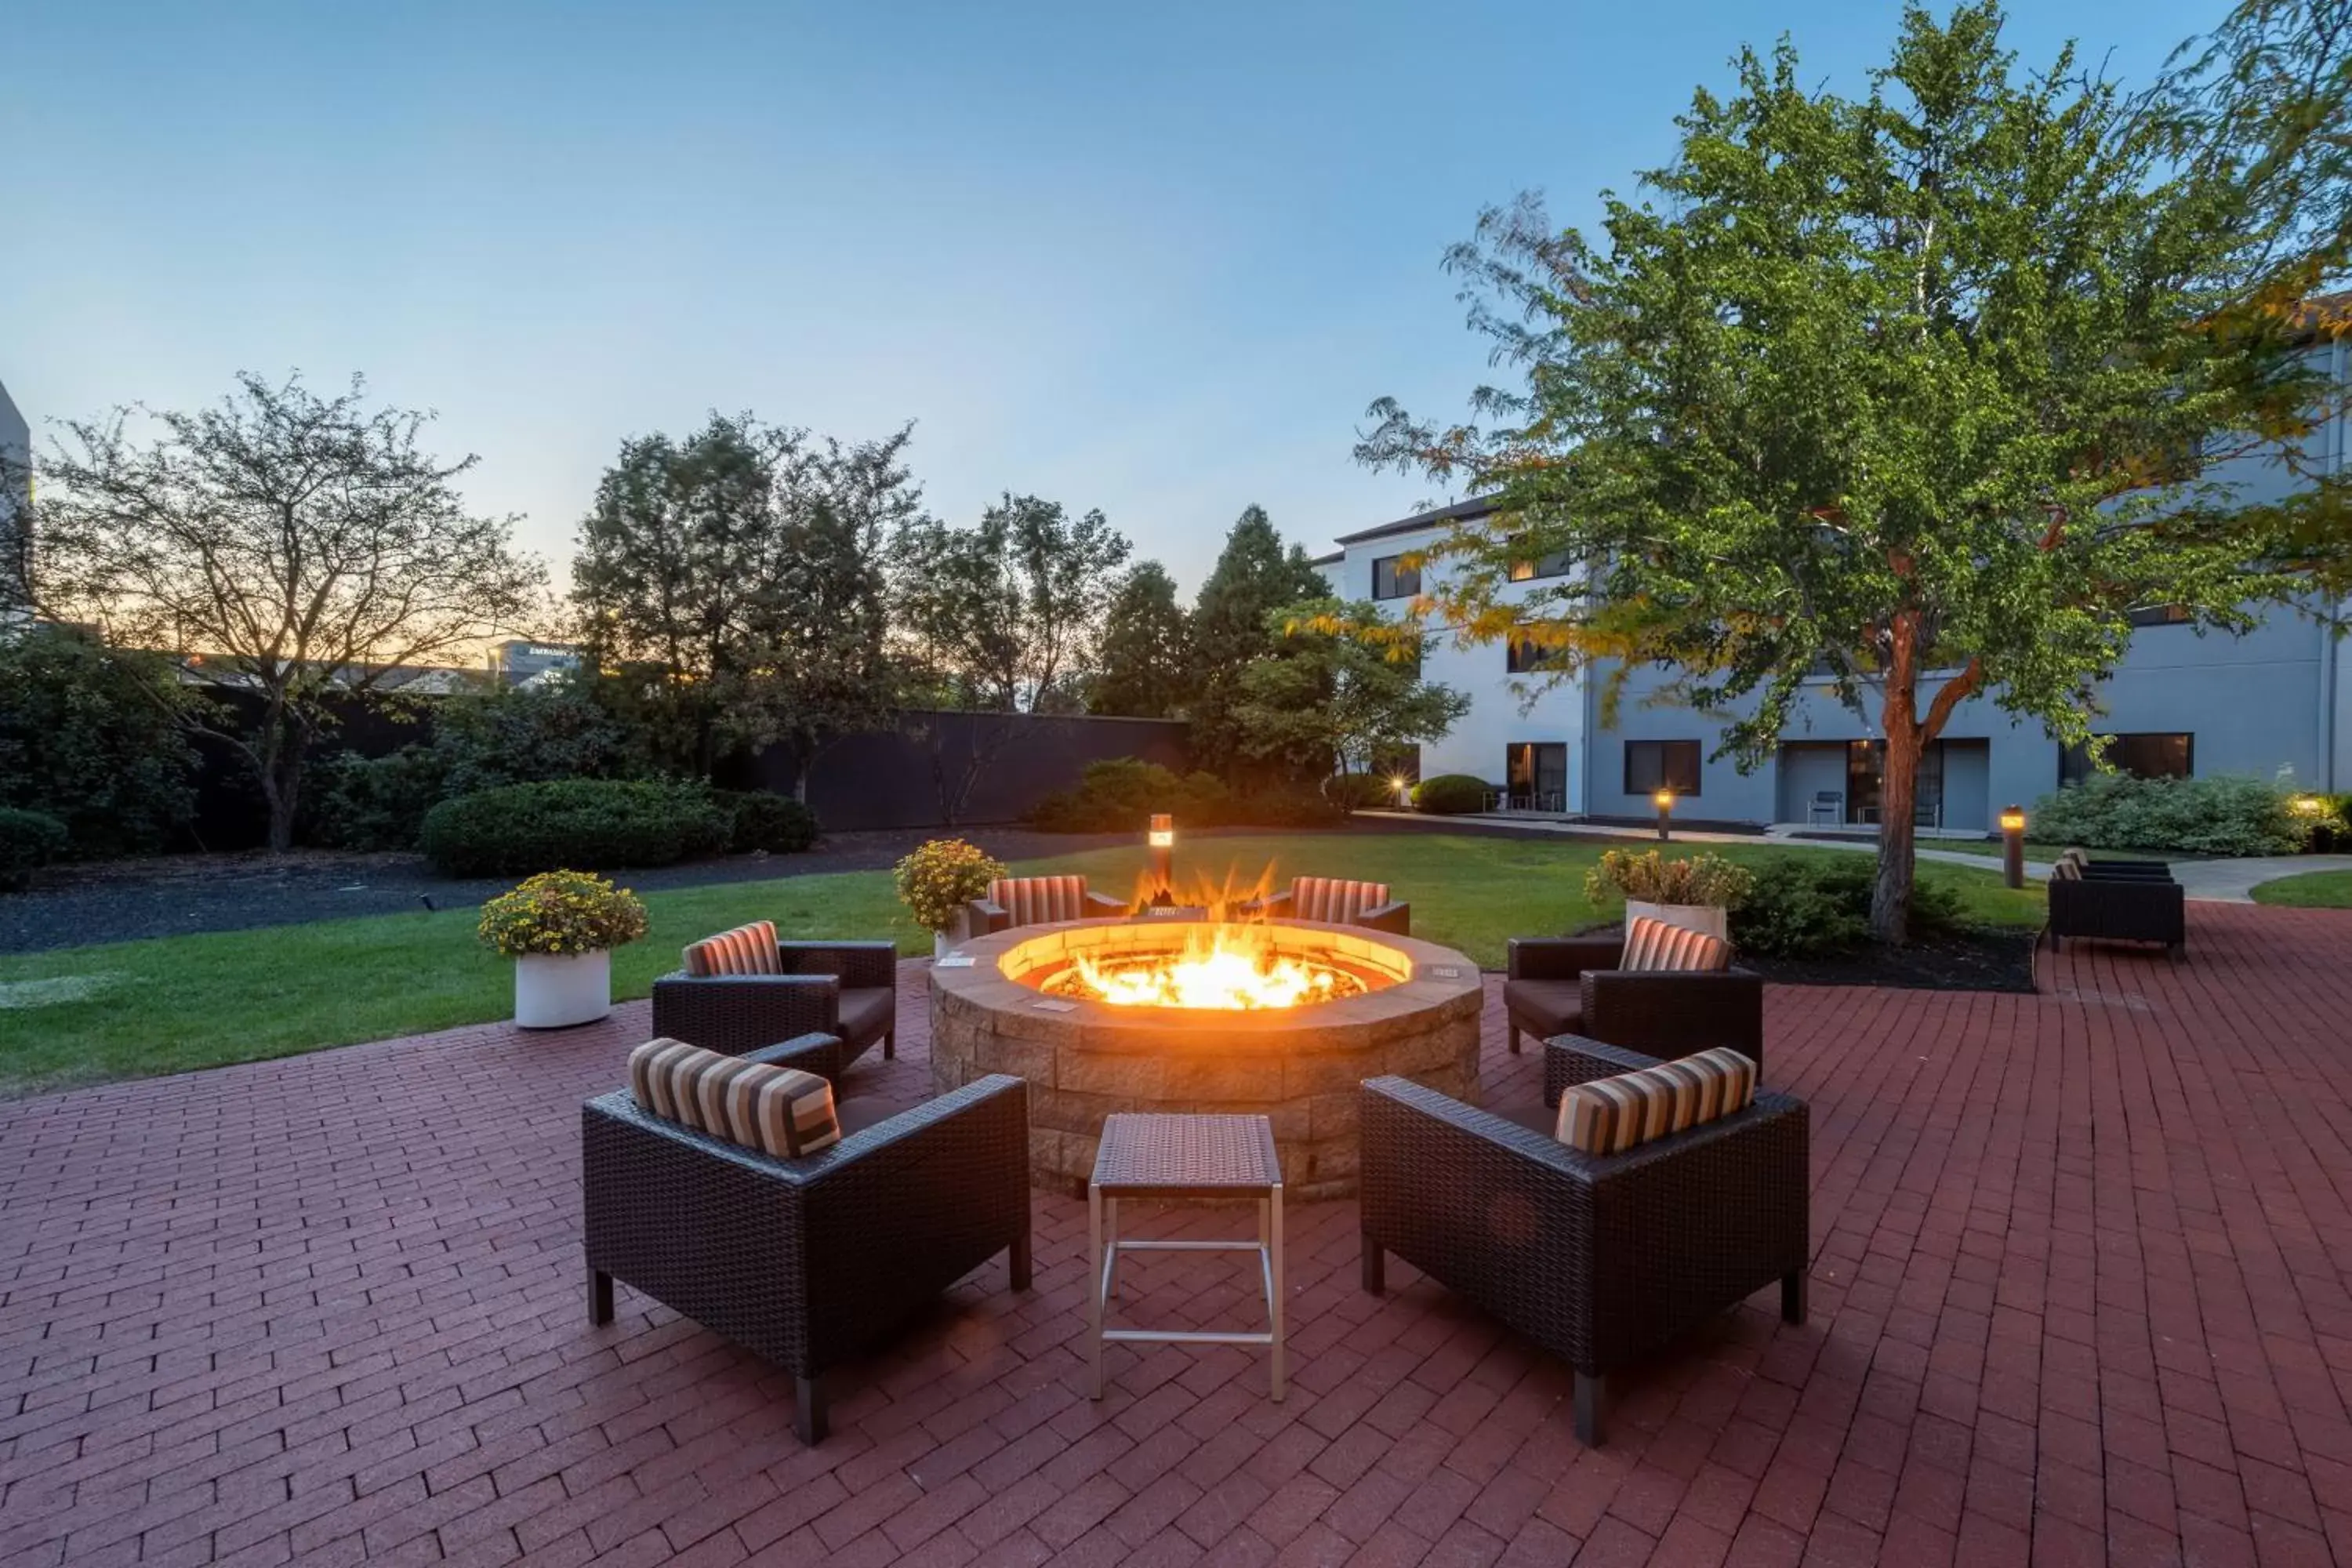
x,y
1179,1157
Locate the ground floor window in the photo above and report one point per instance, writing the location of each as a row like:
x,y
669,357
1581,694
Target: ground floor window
x,y
1535,775
1653,766
1865,769
2145,755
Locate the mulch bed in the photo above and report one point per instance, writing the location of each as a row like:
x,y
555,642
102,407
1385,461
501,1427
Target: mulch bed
x,y
1981,960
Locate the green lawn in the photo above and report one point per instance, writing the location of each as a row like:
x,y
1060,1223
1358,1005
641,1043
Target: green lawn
x,y
129,1009
2311,890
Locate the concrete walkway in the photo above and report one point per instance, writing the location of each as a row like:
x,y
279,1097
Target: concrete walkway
x,y
2233,881
1540,824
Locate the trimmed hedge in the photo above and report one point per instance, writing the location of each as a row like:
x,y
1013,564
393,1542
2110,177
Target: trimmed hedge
x,y
1821,909
28,841
2221,815
1451,794
600,824
1359,791
1119,794
774,822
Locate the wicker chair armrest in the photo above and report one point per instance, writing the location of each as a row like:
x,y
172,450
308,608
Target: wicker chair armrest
x,y
1274,906
1561,957
1395,917
1571,1060
1102,906
816,1053
739,1012
857,964
1674,1013
982,918
2144,870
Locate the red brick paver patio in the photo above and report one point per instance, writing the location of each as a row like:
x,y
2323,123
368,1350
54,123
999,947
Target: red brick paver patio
x,y
2080,1294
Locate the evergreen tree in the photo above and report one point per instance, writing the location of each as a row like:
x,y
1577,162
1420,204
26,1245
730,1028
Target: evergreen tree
x,y
1140,670
1254,575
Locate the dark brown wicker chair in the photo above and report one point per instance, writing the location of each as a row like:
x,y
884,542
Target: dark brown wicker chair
x,y
1571,986
1340,902
846,991
2131,907
1600,1259
1036,900
811,1263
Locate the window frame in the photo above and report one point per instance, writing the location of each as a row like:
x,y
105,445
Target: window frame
x,y
1532,569
2069,773
1398,586
1666,749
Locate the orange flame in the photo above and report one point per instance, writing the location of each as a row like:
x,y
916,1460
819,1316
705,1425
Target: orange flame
x,y
1220,966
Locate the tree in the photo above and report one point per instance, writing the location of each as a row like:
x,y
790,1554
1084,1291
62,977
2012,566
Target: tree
x,y
1255,576
301,549
1927,391
1006,616
94,737
1140,669
734,584
1323,695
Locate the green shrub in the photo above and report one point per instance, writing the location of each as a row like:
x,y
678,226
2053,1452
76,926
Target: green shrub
x,y
28,841
2326,822
1821,909
1284,808
377,803
1119,794
562,914
1451,794
92,736
600,823
776,822
2224,814
1359,791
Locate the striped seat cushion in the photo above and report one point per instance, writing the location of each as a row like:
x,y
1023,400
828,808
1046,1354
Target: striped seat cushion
x,y
746,950
1611,1115
1333,900
2065,870
778,1111
1039,901
1653,945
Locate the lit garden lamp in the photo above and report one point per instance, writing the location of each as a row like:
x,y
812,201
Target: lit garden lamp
x,y
1665,799
1404,787
2012,845
1162,840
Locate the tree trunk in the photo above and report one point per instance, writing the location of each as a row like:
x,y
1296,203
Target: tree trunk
x,y
281,787
1898,791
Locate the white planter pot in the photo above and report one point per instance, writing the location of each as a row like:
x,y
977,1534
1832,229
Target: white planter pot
x,y
553,992
941,944
1712,919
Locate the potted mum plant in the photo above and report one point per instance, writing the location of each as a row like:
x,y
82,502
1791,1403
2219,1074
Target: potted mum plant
x,y
938,880
1698,893
560,928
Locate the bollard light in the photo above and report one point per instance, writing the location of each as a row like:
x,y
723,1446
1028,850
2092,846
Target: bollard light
x,y
1162,840
2012,845
1403,786
1665,799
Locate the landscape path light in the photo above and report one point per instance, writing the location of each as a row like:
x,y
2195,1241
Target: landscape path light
x,y
2012,845
1162,841
1665,799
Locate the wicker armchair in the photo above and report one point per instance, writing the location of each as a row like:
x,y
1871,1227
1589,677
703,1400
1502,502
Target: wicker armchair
x,y
1600,1259
1571,986
809,1263
2127,908
1036,900
1338,902
847,992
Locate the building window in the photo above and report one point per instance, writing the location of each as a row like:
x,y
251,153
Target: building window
x,y
1653,766
1525,655
1535,775
1394,580
2162,616
2148,755
1552,565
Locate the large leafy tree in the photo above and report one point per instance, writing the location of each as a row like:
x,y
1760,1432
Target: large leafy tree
x,y
734,584
1140,670
1255,574
1920,394
301,549
1320,696
1007,615
96,737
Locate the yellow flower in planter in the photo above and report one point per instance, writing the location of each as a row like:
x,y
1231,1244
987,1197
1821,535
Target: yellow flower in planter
x,y
561,913
940,878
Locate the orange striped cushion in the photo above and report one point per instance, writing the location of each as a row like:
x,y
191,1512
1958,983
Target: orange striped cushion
x,y
746,950
1040,900
775,1110
1611,1115
1333,900
1653,945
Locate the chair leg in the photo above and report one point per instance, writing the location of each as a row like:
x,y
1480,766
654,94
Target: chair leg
x,y
808,1410
1792,1296
1588,1389
1514,1039
1375,1271
1019,1258
890,1044
600,1297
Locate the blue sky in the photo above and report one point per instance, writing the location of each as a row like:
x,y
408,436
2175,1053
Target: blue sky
x,y
1153,258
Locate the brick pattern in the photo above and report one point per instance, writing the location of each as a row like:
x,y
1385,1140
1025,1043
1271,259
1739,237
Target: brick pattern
x,y
2080,1293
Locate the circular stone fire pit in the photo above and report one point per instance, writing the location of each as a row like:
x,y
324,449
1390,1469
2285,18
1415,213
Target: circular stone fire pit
x,y
1414,1012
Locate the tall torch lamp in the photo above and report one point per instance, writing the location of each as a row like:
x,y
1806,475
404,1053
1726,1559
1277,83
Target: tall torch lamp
x,y
1665,799
2012,845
